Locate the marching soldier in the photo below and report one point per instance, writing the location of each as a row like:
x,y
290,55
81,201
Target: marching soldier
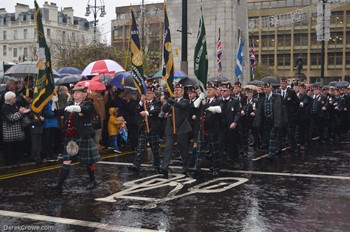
x,y
211,129
78,116
150,113
319,113
193,118
291,102
180,106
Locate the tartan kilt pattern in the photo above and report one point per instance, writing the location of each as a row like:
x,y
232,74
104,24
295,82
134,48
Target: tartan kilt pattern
x,y
88,153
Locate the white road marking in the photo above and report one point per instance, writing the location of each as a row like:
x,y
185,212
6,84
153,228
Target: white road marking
x,y
260,157
73,222
247,172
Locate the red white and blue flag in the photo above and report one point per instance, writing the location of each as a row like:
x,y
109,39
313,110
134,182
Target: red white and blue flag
x,y
253,59
218,55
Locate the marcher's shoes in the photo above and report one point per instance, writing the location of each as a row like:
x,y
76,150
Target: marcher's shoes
x,y
117,151
92,185
165,173
56,187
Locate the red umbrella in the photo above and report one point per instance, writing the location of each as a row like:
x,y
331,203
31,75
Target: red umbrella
x,y
102,67
91,85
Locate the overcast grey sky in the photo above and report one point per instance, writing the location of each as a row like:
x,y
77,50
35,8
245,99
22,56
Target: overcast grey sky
x,y
79,7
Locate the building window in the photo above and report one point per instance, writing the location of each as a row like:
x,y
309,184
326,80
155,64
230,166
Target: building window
x,y
315,59
15,34
348,37
268,40
4,35
336,39
15,52
4,50
25,52
268,59
48,33
25,33
283,60
347,59
284,40
337,18
335,58
300,40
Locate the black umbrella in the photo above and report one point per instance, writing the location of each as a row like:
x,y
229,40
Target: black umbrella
x,y
190,82
218,79
70,79
273,81
256,82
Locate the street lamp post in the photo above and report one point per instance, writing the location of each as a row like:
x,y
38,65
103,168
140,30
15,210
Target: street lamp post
x,y
95,9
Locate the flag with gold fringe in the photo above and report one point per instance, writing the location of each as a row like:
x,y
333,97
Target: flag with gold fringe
x,y
168,58
44,83
136,57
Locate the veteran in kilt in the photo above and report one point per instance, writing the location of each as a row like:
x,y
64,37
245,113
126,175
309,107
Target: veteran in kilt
x,y
271,115
79,131
150,113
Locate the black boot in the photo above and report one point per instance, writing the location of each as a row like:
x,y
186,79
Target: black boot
x,y
64,172
91,172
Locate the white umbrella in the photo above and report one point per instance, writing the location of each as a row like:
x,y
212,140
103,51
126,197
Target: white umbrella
x,y
102,67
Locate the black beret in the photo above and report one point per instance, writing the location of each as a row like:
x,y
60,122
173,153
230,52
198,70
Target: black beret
x,y
237,83
211,85
178,85
266,84
151,88
283,79
226,85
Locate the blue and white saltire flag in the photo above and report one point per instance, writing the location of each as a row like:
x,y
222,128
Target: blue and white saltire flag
x,y
239,60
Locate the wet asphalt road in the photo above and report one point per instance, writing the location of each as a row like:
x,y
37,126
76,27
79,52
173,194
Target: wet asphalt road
x,y
307,191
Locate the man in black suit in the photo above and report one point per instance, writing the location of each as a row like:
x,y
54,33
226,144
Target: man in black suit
x,y
291,102
176,110
150,134
303,121
319,113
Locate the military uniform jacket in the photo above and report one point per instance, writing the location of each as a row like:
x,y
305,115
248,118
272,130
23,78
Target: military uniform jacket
x,y
304,111
153,107
233,112
211,120
181,117
83,119
248,107
317,104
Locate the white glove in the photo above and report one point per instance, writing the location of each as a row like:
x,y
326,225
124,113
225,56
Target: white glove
x,y
214,109
73,109
197,102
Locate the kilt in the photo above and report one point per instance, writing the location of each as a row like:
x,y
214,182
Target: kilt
x,y
88,153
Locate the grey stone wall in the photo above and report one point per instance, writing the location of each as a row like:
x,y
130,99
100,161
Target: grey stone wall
x,y
227,15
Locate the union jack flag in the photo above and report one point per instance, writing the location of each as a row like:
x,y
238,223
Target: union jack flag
x,y
218,54
253,58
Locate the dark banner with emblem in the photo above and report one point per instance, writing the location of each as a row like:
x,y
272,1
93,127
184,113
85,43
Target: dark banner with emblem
x,y
44,83
201,55
168,59
136,59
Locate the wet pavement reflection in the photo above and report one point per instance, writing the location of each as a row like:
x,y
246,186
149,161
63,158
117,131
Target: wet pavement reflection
x,y
255,196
